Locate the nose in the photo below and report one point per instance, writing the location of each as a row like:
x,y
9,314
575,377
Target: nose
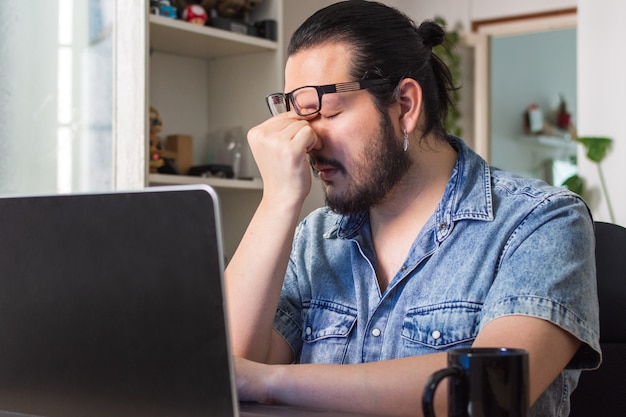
x,y
318,128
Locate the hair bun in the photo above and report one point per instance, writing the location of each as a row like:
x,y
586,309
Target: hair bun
x,y
431,33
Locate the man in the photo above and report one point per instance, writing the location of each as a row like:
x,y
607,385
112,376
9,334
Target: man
x,y
422,248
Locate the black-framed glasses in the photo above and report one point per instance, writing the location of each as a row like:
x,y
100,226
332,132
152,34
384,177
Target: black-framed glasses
x,y
307,100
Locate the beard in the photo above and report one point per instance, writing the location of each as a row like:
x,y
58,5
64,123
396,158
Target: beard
x,y
378,170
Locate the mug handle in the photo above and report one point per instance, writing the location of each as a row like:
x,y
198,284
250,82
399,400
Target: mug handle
x,y
428,395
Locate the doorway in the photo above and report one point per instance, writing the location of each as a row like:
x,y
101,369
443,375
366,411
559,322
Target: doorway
x,y
520,62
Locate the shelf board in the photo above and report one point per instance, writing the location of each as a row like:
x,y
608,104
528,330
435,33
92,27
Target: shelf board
x,y
223,183
556,141
181,38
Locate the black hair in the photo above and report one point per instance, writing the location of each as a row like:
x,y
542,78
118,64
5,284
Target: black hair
x,y
385,44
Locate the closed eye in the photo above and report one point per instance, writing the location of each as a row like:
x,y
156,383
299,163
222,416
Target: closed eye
x,y
330,116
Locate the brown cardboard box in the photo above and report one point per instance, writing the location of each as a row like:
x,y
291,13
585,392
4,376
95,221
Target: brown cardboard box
x,y
182,145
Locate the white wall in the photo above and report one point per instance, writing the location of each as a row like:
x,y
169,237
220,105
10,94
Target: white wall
x,y
467,11
601,95
490,9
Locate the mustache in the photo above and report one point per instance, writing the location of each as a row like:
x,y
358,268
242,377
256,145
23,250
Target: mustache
x,y
316,159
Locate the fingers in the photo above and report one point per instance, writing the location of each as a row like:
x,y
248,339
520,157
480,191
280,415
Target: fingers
x,y
284,128
306,138
280,146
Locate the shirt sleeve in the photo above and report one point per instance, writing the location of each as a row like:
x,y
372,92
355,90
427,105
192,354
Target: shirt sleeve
x,y
287,323
547,270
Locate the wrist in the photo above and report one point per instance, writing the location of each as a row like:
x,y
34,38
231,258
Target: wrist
x,y
281,203
274,378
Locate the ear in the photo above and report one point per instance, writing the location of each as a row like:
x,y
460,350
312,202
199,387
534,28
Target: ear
x,y
410,104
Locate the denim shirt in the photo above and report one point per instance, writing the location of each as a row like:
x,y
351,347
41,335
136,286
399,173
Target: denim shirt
x,y
496,245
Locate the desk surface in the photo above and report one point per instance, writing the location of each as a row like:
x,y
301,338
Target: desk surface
x,y
260,410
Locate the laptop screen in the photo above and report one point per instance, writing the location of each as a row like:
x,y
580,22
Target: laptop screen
x,y
112,305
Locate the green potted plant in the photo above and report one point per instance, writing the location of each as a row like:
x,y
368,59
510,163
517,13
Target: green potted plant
x,y
596,149
449,54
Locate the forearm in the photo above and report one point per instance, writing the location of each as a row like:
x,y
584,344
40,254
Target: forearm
x,y
394,387
386,388
254,279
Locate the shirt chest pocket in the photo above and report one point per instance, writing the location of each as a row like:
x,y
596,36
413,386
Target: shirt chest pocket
x,y
326,329
441,326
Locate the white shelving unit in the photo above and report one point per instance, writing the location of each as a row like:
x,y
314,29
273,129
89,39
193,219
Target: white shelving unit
x,y
203,80
182,38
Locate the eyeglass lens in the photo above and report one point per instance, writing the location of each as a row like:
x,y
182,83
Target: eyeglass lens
x,y
277,103
306,100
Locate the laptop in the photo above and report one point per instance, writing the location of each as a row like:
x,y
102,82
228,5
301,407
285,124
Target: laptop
x,y
112,304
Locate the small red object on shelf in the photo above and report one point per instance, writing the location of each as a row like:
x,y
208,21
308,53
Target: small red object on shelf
x,y
195,14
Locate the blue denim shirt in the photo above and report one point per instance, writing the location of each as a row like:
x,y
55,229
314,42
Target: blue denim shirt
x,y
496,245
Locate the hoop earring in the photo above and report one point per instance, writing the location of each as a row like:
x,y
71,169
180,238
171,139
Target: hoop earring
x,y
405,145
